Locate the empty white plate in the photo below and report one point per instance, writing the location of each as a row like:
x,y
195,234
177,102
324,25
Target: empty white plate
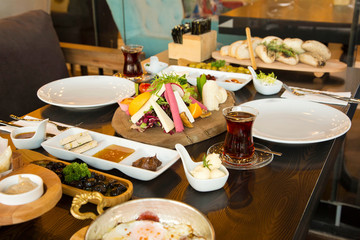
x,y
296,121
86,92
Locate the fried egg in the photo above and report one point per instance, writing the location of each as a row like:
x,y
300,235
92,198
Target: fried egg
x,y
147,229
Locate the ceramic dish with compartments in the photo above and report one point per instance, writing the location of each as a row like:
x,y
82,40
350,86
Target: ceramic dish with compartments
x,y
167,156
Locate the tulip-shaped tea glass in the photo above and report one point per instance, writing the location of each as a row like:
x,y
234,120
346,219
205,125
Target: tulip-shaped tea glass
x,y
132,64
238,150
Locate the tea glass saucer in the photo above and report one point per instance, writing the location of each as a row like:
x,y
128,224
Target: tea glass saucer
x,y
258,160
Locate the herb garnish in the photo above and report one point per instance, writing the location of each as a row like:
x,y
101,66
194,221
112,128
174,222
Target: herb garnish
x,y
206,163
276,47
76,171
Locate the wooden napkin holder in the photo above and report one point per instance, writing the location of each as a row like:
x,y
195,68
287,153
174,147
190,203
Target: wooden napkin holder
x,y
195,48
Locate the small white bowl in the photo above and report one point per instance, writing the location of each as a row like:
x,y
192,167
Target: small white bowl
x,y
154,66
267,89
22,198
201,185
33,142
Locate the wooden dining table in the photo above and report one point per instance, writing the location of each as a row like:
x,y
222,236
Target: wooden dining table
x,y
273,202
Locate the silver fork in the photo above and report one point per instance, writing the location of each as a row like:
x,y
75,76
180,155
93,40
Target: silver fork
x,y
298,92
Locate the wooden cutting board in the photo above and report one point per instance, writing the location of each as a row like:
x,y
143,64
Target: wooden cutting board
x,y
22,213
332,65
203,129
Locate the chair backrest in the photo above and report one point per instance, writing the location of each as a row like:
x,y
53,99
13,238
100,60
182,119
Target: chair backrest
x,y
15,7
30,56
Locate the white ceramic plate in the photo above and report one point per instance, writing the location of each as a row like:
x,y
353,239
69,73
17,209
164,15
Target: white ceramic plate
x,y
296,121
167,156
86,92
221,77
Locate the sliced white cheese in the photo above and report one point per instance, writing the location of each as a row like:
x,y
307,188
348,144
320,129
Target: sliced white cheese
x,y
73,137
183,108
77,142
146,107
165,120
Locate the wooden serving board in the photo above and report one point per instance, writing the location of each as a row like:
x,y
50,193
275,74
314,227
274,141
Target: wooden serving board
x,y
332,65
28,156
203,129
80,235
21,213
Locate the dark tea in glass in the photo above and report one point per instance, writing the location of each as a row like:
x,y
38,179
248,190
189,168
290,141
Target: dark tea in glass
x,y
132,64
239,144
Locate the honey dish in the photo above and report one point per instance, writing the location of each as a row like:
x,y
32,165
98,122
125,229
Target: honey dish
x,y
21,189
29,137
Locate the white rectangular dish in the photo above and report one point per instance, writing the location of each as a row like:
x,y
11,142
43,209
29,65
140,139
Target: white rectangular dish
x,y
221,77
167,156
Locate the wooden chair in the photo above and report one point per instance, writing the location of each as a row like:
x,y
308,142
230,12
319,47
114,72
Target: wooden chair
x,y
87,56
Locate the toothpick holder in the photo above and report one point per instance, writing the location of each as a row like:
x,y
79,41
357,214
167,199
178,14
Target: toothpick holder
x,y
195,48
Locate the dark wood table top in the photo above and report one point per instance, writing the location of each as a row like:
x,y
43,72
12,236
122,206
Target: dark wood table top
x,y
273,202
305,19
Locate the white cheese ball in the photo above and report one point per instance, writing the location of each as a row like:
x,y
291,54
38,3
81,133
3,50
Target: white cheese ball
x,y
213,160
201,172
216,173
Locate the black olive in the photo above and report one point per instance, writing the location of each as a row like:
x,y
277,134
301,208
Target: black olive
x,y
100,188
93,175
112,183
88,189
77,184
101,177
90,182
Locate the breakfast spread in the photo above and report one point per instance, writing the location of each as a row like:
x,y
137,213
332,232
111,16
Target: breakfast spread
x,y
290,51
209,168
78,143
172,104
24,185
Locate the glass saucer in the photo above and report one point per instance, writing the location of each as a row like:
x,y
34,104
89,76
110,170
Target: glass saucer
x,y
258,160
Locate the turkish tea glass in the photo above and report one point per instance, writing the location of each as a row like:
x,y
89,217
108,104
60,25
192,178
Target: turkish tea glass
x,y
132,64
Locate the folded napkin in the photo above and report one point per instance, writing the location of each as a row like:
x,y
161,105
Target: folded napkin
x,y
318,97
50,127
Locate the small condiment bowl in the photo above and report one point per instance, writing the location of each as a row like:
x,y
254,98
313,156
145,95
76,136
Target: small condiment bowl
x,y
201,185
21,198
154,66
33,142
265,89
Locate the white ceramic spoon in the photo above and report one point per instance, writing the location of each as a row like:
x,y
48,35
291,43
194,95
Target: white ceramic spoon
x,y
201,185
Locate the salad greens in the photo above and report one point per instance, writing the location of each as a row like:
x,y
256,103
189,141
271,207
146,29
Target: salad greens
x,y
267,78
200,82
76,171
276,47
159,81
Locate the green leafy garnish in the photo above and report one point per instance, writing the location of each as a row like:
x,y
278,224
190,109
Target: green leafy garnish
x,y
267,78
218,63
200,81
159,81
206,163
276,47
76,171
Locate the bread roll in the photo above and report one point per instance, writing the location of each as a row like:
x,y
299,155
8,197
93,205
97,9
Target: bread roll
x,y
265,55
224,50
314,46
233,47
5,159
281,57
295,44
242,51
312,59
269,39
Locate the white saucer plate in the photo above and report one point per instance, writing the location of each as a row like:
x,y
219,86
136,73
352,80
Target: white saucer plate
x,y
86,92
167,156
297,122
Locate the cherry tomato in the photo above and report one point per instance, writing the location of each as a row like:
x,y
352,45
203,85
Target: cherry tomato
x,y
143,87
